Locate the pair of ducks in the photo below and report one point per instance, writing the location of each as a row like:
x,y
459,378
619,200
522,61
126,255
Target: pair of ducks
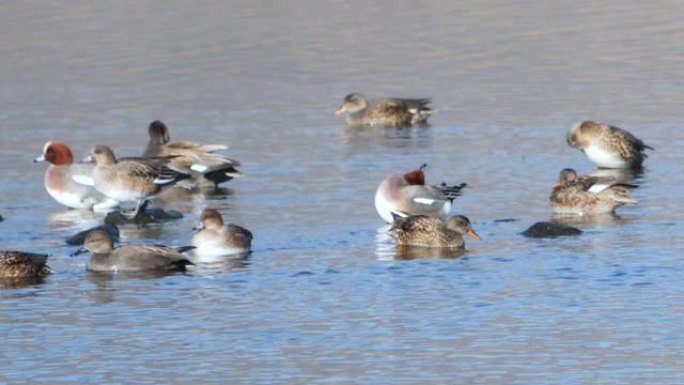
x,y
112,180
416,210
213,239
607,147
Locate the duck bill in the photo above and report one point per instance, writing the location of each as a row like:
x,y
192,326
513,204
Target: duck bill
x,y
473,234
557,185
79,252
39,159
198,227
340,110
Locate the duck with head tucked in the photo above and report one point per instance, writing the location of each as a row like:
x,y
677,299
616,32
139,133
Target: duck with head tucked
x,y
409,195
60,184
214,238
588,195
388,112
607,146
129,179
104,257
197,159
425,231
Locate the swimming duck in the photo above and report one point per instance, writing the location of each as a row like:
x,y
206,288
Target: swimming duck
x,y
59,181
129,179
425,231
607,146
588,195
215,239
19,264
105,258
388,112
408,194
199,160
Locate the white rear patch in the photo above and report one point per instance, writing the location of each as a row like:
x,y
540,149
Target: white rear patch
x,y
199,168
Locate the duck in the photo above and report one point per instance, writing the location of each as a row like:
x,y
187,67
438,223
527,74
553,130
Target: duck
x,y
387,112
196,159
20,264
426,231
588,195
607,146
409,195
60,184
129,179
104,257
214,238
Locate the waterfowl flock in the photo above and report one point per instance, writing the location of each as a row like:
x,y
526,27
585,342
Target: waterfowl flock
x,y
419,213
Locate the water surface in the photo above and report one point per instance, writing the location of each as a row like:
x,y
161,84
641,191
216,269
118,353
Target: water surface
x,y
324,297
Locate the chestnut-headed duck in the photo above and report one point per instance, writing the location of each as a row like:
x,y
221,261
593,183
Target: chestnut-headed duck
x,y
60,184
408,194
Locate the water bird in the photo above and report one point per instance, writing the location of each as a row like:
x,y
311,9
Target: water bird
x,y
426,231
105,258
607,146
387,112
588,195
409,195
214,238
60,184
20,264
200,160
129,179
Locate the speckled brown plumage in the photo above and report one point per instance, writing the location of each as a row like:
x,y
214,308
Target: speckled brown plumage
x,y
387,112
588,195
15,264
425,231
607,146
216,168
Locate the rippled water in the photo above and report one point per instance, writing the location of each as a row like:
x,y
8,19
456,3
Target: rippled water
x,y
324,298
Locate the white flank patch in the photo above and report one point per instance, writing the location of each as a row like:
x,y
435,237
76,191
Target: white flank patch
x,y
424,201
84,180
413,111
199,168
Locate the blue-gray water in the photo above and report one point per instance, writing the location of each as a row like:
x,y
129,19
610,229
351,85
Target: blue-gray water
x,y
322,299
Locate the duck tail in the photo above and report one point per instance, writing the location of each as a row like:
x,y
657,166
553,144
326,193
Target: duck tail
x,y
451,192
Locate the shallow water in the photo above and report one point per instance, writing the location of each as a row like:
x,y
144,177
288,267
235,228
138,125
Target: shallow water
x,y
324,297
